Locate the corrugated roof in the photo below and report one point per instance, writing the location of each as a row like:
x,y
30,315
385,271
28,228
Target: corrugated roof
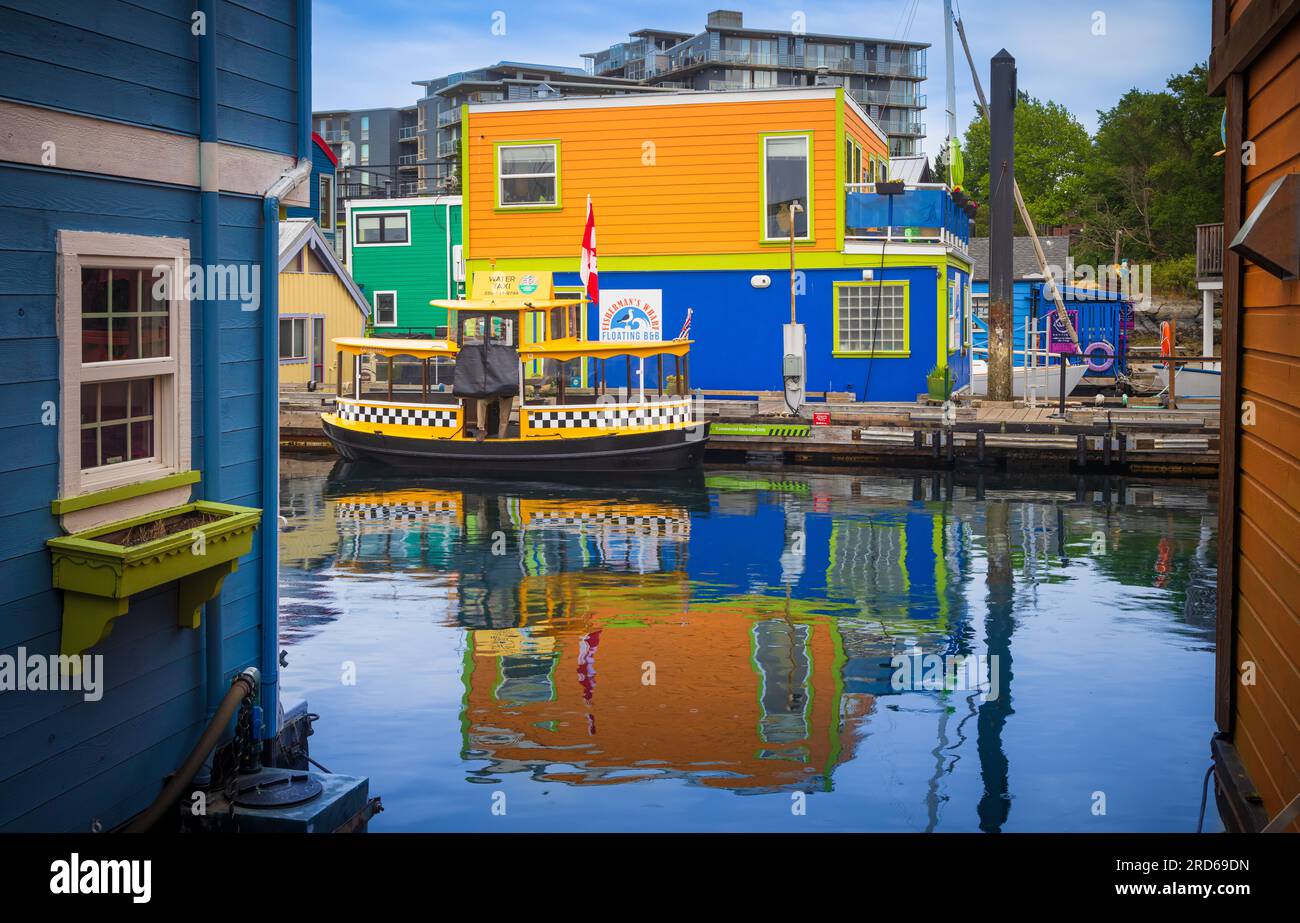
x,y
1024,263
911,170
296,233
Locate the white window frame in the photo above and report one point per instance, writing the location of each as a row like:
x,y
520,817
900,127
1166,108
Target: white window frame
x,y
374,307
380,213
80,250
327,221
554,174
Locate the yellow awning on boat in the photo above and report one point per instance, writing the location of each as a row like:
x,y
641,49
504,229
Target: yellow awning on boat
x,y
386,346
573,348
505,303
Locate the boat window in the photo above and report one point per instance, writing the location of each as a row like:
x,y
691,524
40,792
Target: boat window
x,y
871,318
125,412
528,175
786,172
374,229
478,329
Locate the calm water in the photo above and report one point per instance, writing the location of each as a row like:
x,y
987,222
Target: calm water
x,y
732,652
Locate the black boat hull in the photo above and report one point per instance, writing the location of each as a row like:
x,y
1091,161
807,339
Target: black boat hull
x,y
662,450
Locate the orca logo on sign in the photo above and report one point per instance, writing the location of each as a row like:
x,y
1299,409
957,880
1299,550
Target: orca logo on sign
x,y
631,315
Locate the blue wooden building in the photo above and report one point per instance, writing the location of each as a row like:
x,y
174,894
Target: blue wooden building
x,y
148,153
323,207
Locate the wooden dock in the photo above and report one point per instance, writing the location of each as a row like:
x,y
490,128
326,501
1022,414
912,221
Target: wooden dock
x,y
1106,439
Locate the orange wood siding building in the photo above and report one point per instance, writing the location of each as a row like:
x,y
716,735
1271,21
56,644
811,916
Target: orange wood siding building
x,y
1256,65
695,160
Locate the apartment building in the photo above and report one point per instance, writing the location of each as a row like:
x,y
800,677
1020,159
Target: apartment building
x,y
377,151
883,76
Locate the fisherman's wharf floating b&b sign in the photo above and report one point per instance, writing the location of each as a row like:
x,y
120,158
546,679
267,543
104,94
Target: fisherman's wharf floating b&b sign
x,y
631,315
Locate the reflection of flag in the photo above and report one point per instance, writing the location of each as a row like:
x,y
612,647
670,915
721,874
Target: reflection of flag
x,y
587,264
686,325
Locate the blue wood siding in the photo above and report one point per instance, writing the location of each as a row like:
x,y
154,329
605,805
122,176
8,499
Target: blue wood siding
x,y
66,764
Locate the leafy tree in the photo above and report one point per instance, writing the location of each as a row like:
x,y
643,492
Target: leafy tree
x,y
1153,176
1051,151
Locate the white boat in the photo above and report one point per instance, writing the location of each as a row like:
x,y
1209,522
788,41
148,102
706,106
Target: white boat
x,y
1204,383
1044,381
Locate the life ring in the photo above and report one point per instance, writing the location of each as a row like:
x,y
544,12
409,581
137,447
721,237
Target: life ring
x,y
1166,339
1103,363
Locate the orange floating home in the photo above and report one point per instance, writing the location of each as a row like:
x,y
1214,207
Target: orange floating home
x,y
691,192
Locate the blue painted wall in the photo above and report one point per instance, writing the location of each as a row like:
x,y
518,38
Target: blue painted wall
x,y
737,329
1100,321
321,165
66,764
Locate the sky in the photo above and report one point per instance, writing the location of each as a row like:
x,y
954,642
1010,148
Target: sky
x,y
366,53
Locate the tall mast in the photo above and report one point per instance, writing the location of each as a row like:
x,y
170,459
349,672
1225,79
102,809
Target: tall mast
x,y
952,78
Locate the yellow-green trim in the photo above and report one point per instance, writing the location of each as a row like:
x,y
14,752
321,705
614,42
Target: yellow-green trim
x,y
840,168
464,187
905,352
763,239
759,261
496,176
125,492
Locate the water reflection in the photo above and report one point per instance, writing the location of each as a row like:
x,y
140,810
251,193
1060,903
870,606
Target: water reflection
x,y
741,633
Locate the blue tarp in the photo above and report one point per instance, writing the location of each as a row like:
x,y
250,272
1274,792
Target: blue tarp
x,y
915,208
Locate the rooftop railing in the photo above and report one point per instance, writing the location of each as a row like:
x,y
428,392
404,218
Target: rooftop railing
x,y
923,213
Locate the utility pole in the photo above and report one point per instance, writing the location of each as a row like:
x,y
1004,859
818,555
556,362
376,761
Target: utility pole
x,y
952,77
1002,210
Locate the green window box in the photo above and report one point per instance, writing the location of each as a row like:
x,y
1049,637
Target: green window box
x,y
197,544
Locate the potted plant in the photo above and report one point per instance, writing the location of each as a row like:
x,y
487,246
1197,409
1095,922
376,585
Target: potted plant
x,y
99,570
937,383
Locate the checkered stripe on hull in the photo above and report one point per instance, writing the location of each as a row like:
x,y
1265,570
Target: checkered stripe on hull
x,y
613,417
433,417
669,526
395,512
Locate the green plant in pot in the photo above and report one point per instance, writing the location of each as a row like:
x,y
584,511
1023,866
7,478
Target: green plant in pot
x,y
937,383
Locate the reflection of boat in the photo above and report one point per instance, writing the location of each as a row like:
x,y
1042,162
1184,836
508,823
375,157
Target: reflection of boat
x,y
1192,382
427,431
1045,381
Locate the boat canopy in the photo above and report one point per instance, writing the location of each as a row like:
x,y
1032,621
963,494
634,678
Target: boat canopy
x,y
390,346
573,348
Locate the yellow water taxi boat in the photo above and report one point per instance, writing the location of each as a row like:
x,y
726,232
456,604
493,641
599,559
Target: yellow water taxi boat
x,y
451,431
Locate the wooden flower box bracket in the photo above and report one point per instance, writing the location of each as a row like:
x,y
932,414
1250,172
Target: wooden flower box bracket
x,y
197,544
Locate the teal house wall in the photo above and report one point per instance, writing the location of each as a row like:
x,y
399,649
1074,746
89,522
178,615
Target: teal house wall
x,y
419,271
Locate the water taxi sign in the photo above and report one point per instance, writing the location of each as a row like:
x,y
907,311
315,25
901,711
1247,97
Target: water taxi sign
x,y
631,315
522,284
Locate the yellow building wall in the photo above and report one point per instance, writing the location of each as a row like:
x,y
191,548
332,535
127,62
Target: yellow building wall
x,y
664,179
320,293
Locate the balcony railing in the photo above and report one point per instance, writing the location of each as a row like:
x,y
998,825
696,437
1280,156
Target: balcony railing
x,y
407,133
924,213
885,98
694,57
449,117
336,137
449,148
1209,251
405,160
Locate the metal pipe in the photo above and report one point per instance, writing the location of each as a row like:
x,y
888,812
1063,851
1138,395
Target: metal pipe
x,y
209,242
243,685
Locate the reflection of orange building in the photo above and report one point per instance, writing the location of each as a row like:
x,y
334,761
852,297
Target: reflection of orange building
x,y
626,678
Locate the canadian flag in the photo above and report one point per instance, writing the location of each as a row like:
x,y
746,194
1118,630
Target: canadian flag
x,y
587,265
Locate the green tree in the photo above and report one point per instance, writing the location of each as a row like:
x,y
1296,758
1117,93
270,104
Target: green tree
x,y
1153,176
1051,150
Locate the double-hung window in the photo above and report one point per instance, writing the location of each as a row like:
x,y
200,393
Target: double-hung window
x,y
787,178
385,309
124,385
528,174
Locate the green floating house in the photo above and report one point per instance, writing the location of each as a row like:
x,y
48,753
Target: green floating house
x,y
403,253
